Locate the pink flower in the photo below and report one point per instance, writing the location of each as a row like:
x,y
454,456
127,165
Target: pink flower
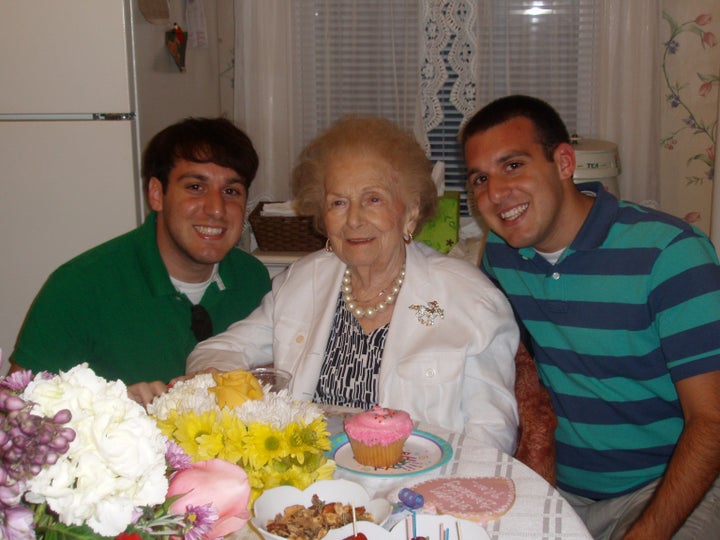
x,y
709,39
705,89
703,19
216,481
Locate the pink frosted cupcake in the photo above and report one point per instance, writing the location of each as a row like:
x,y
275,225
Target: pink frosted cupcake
x,y
377,436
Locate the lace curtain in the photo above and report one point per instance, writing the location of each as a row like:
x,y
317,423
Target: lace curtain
x,y
447,26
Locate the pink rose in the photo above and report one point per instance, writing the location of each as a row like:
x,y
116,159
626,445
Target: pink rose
x,y
709,39
703,19
219,482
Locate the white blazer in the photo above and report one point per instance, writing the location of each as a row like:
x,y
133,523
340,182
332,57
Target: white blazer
x,y
458,372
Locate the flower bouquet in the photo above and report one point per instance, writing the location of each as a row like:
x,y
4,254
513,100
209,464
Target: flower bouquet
x,y
277,440
80,460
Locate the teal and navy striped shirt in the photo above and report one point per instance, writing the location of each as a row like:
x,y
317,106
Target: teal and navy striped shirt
x,y
631,306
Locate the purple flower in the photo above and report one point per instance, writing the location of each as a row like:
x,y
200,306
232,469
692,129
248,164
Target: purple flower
x,y
674,100
672,46
16,523
176,457
199,520
16,382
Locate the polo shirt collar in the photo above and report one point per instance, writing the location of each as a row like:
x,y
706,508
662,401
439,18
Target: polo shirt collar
x,y
597,225
158,279
156,275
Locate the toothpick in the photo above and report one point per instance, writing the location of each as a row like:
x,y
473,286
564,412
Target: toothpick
x,y
459,530
442,531
354,522
408,528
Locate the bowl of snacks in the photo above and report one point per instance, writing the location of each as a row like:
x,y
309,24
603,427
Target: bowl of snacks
x,y
327,509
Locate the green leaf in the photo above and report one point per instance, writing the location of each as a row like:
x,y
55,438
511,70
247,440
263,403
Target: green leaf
x,y
673,25
59,531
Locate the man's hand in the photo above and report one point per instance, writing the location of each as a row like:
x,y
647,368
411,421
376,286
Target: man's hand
x,y
145,392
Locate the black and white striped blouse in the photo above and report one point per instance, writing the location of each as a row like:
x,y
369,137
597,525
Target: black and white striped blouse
x,y
349,374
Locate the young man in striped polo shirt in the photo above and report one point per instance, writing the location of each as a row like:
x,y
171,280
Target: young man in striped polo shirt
x,y
621,309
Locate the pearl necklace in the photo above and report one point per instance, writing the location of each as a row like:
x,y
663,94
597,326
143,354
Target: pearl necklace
x,y
370,312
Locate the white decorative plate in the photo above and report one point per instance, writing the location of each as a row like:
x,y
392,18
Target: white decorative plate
x,y
422,452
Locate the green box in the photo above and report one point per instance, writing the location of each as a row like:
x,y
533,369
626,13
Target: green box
x,y
441,232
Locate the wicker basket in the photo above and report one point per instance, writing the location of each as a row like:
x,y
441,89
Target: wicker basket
x,y
284,233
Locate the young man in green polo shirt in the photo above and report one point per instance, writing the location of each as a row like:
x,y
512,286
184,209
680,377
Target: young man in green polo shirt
x,y
134,307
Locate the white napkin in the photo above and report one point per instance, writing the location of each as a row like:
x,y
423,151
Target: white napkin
x,y
278,209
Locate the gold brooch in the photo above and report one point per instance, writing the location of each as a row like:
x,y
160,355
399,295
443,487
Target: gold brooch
x,y
427,314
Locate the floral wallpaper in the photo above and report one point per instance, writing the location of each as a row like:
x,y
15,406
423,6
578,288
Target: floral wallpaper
x,y
690,83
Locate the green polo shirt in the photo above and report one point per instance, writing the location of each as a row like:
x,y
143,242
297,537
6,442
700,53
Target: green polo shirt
x,y
115,308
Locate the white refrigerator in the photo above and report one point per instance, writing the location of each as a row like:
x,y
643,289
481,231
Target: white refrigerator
x,y
69,138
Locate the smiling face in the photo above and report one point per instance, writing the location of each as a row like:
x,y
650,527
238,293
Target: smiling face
x,y
200,217
522,196
365,215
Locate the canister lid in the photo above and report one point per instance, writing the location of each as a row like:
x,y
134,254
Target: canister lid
x,y
595,158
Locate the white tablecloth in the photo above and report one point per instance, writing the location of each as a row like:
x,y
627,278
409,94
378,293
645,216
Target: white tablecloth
x,y
539,511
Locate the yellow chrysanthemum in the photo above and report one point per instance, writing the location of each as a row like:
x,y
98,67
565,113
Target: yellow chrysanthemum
x,y
263,443
234,432
325,472
304,438
168,425
291,477
197,435
291,455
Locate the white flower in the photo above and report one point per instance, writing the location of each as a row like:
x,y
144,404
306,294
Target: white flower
x,y
185,396
116,462
278,410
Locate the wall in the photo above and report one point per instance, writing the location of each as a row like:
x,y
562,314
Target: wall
x,y
166,95
689,81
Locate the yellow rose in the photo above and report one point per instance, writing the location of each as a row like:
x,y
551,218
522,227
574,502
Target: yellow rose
x,y
234,388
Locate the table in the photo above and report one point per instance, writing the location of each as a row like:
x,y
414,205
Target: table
x,y
539,511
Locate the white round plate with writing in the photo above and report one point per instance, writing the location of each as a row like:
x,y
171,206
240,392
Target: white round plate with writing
x,y
428,525
422,452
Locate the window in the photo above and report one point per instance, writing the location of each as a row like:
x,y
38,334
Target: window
x,y
355,57
365,57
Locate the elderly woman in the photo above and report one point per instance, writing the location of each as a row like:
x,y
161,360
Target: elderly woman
x,y
376,318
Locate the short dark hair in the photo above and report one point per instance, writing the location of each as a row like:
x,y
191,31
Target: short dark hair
x,y
202,140
550,130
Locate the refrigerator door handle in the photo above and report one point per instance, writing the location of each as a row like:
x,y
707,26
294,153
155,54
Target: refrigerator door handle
x,y
42,117
114,116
